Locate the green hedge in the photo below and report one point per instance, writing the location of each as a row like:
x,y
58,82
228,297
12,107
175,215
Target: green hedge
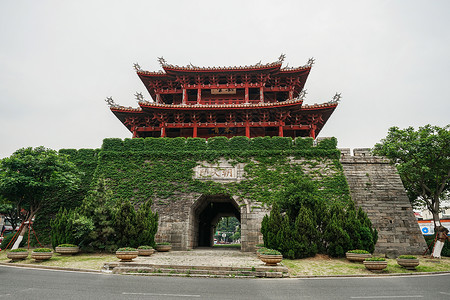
x,y
219,143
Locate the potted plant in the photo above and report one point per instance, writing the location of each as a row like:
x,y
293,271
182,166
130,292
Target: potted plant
x,y
270,257
357,255
258,252
258,246
375,263
163,247
67,249
145,250
17,254
40,254
126,254
409,262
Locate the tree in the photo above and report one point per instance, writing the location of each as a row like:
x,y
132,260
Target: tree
x,y
13,214
30,178
422,159
147,225
98,207
125,225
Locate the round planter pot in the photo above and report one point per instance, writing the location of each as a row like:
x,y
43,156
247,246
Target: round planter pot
x,y
271,260
358,257
375,265
145,252
17,255
163,248
67,250
409,264
39,256
126,256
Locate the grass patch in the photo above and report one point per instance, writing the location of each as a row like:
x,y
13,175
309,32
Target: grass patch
x,y
92,261
323,265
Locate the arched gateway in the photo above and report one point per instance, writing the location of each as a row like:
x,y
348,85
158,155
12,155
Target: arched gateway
x,y
205,213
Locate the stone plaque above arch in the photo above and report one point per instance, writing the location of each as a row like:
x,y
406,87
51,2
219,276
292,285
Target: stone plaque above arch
x,y
221,171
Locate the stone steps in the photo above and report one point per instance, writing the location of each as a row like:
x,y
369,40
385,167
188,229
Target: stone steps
x,y
144,269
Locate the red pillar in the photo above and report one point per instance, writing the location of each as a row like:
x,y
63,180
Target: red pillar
x,y
291,94
199,96
246,95
280,129
163,131
247,129
184,100
261,94
158,98
312,131
194,131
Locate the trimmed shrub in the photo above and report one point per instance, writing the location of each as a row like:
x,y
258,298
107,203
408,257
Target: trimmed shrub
x,y
195,144
303,143
375,259
357,251
19,250
42,250
67,245
218,143
136,144
145,247
127,249
112,144
407,257
241,143
328,143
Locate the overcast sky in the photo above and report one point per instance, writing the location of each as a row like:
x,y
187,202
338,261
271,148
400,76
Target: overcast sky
x,y
59,60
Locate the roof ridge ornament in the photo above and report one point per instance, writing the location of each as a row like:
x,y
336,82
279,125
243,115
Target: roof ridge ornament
x,y
162,61
282,58
110,102
302,94
311,61
337,97
139,97
137,67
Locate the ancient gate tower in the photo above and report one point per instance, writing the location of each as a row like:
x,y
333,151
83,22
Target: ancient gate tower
x,y
263,100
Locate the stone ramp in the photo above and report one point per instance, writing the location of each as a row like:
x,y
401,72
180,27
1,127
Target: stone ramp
x,y
198,263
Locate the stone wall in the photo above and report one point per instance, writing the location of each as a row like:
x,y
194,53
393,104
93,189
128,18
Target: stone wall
x,y
376,187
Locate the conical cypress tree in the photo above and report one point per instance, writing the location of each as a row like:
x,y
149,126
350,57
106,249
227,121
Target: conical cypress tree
x,y
125,225
306,234
338,241
147,225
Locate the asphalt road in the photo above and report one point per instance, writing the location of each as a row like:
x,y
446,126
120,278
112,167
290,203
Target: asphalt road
x,y
18,283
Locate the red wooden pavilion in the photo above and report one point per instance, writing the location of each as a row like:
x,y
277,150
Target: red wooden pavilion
x,y
257,100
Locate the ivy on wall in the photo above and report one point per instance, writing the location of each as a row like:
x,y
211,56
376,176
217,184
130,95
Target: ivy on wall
x,y
162,168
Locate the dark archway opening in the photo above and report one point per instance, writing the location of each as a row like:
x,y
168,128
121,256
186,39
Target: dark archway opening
x,y
207,212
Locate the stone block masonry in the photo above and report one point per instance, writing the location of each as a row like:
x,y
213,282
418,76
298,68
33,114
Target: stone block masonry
x,y
376,187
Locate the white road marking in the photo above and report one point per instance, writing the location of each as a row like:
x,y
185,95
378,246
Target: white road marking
x,y
444,293
168,295
387,297
5,295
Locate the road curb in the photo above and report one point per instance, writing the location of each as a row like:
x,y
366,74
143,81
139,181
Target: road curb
x,y
371,275
290,277
48,267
